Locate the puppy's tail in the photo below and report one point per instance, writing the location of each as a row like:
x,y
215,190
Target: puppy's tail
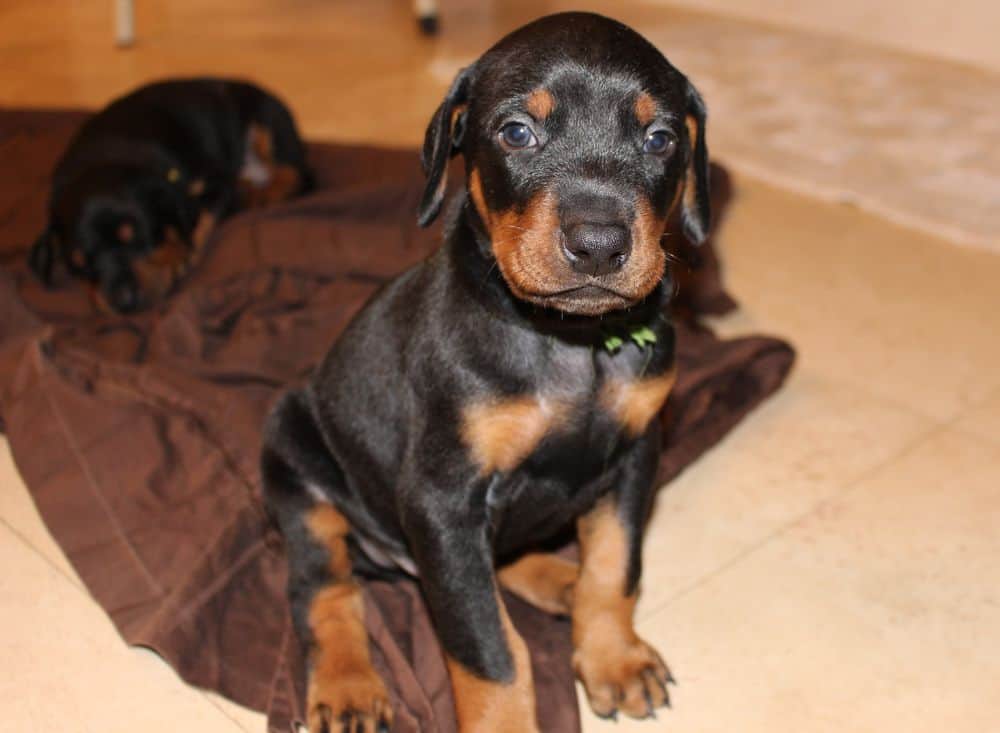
x,y
42,257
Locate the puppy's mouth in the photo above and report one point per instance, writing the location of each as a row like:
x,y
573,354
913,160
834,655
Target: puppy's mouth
x,y
587,299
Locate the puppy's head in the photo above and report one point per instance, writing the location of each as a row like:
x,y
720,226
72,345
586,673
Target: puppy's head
x,y
579,138
121,229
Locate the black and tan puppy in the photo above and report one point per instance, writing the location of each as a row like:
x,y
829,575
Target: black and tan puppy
x,y
505,389
143,181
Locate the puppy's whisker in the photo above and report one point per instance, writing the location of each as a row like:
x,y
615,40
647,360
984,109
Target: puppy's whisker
x,y
678,260
489,272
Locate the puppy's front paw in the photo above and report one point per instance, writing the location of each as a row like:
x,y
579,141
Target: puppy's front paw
x,y
348,701
629,676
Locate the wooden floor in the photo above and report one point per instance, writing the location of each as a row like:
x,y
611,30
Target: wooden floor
x,y
351,70
831,567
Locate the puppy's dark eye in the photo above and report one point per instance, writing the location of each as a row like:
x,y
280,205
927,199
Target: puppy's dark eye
x,y
659,143
517,136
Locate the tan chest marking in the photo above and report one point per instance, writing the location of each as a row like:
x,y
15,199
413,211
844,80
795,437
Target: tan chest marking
x,y
635,403
502,433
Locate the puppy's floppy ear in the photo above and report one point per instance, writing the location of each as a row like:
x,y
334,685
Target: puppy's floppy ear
x,y
42,257
444,135
696,212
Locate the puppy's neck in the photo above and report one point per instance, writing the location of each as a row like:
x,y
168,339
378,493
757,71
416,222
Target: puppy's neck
x,y
469,250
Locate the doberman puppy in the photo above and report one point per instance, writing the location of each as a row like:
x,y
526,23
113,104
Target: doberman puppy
x,y
142,183
505,389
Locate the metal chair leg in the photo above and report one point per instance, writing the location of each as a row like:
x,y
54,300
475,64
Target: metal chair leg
x,y
124,22
427,16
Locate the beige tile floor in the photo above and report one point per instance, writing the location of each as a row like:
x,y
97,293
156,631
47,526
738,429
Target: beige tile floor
x,y
831,566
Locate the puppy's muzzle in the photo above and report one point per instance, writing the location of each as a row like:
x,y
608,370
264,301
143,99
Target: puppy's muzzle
x,y
117,283
596,237
597,249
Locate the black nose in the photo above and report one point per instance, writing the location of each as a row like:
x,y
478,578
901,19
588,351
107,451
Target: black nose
x,y
597,249
124,296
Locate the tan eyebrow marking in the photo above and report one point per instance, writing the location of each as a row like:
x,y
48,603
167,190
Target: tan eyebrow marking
x,y
540,104
645,108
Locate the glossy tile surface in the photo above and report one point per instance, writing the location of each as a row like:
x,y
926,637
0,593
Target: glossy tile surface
x,y
877,611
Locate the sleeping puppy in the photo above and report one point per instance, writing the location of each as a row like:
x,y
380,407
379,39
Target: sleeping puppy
x,y
506,389
143,182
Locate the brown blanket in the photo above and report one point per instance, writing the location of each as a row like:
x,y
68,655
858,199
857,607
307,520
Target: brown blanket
x,y
138,437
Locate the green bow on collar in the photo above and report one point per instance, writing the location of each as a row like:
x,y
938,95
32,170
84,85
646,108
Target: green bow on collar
x,y
643,336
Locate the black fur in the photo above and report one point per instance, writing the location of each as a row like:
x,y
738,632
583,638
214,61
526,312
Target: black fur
x,y
137,162
377,430
695,219
441,143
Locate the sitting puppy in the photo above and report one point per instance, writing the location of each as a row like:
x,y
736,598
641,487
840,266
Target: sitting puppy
x,y
143,182
506,389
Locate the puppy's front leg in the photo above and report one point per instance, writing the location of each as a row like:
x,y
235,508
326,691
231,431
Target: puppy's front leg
x,y
618,669
487,659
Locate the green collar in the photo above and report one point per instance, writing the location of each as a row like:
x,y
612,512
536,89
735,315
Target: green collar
x,y
643,336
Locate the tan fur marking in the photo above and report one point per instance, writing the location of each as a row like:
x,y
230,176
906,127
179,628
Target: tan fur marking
x,y
456,112
159,271
99,301
330,529
125,232
648,261
645,108
540,104
617,668
502,433
525,245
525,242
203,230
479,197
341,676
690,184
635,403
603,567
677,197
261,141
542,579
484,706
283,182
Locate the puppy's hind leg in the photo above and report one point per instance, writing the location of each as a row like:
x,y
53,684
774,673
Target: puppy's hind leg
x,y
345,693
544,580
